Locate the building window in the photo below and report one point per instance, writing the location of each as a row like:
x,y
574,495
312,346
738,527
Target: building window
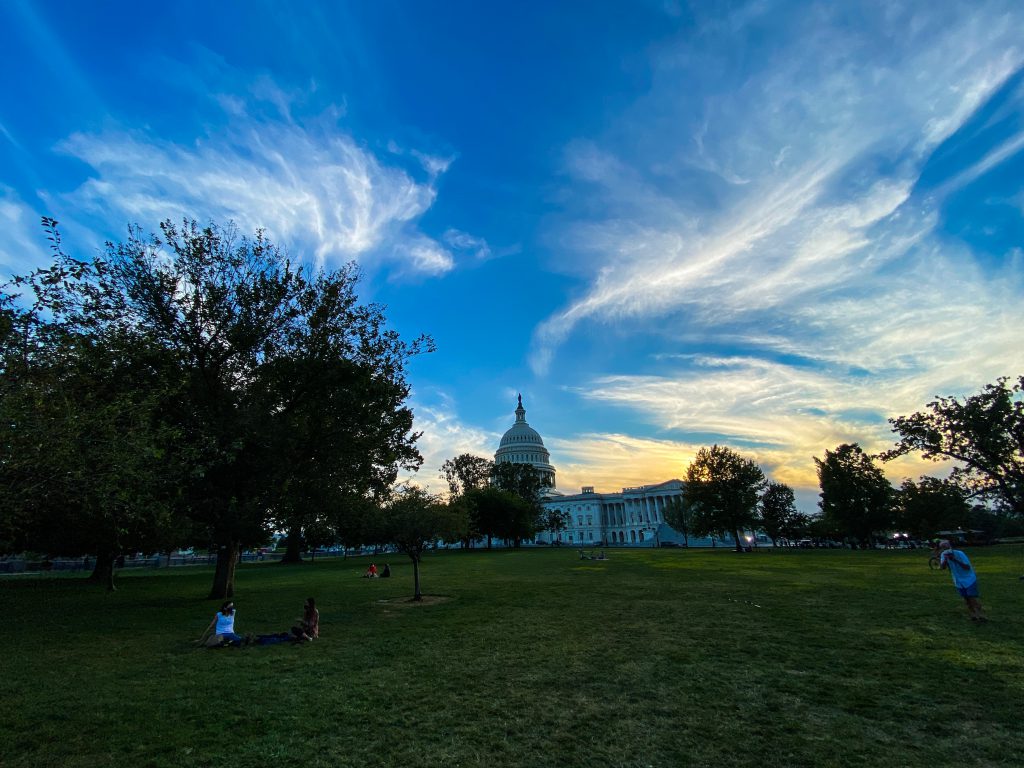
x,y
641,535
590,535
632,536
579,520
590,520
570,538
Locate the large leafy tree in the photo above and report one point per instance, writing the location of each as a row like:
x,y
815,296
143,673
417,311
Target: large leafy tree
x,y
929,505
778,515
465,472
521,479
84,459
552,520
288,393
856,499
338,428
983,434
412,520
497,513
516,521
722,490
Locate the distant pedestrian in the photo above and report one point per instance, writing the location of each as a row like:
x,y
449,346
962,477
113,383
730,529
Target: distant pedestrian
x,y
386,573
964,578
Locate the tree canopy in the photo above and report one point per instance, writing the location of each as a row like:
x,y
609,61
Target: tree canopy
x,y
778,515
983,434
722,490
283,397
930,505
856,499
465,472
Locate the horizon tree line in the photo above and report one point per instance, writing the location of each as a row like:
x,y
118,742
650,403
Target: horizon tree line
x,y
197,388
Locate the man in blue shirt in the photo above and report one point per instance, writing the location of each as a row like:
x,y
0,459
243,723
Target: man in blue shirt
x,y
964,578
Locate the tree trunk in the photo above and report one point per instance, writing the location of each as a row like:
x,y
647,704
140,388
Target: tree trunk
x,y
103,572
488,541
686,538
417,595
293,550
224,574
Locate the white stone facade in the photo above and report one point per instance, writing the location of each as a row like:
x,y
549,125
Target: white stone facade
x,y
631,517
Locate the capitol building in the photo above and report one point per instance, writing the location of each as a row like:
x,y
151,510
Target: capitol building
x,y
633,516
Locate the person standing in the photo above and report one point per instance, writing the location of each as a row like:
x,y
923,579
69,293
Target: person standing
x,y
964,578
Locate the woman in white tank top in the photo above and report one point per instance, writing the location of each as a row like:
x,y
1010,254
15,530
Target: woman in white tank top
x,y
221,630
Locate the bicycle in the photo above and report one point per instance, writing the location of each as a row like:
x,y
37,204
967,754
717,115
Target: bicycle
x,y
933,563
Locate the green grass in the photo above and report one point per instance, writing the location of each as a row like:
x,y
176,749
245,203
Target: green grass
x,y
653,658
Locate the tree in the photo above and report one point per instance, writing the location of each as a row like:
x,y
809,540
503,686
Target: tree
x,y
678,514
412,521
288,396
552,520
778,514
930,505
856,499
515,521
983,434
466,472
497,513
722,491
84,465
521,479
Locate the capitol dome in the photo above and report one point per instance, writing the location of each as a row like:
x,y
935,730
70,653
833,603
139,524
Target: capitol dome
x,y
522,444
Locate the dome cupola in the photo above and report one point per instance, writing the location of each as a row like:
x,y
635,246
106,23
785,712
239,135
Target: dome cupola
x,y
522,444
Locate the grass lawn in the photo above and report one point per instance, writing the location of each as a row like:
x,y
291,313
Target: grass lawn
x,y
653,658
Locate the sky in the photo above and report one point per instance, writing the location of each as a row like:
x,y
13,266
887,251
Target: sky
x,y
767,225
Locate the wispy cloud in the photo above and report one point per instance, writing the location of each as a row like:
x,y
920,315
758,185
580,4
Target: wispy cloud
x,y
22,246
781,416
309,183
445,435
824,266
465,243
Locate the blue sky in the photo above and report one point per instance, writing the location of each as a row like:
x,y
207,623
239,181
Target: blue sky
x,y
771,225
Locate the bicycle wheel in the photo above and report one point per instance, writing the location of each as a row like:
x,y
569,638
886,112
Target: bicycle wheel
x,y
933,563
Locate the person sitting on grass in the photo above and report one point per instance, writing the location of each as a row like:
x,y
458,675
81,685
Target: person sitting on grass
x,y
308,627
221,631
371,572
